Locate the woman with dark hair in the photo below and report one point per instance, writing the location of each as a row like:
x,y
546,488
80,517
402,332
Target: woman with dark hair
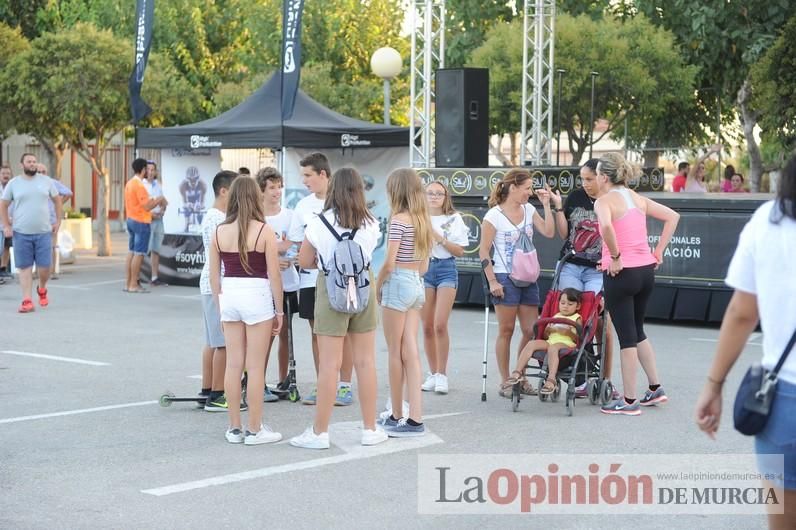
x,y
762,272
726,184
629,274
509,215
736,183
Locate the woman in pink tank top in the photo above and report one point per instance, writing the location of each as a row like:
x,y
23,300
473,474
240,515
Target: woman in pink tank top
x,y
628,268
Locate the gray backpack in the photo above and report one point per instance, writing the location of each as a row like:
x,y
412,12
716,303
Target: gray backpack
x,y
347,281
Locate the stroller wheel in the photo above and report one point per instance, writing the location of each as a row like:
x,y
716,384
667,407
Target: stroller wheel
x,y
606,391
593,391
515,397
570,403
557,392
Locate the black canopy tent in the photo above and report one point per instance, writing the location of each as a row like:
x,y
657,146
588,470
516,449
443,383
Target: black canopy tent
x,y
256,123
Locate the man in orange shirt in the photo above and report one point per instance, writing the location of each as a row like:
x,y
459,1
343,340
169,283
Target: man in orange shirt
x,y
138,206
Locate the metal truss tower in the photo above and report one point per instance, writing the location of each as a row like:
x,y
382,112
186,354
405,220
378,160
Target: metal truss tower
x,y
537,81
428,54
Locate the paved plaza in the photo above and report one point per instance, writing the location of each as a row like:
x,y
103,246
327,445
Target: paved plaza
x,y
86,445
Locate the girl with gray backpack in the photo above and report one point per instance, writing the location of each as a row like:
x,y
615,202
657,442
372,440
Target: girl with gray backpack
x,y
340,242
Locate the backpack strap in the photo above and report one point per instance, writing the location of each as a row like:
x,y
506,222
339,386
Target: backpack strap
x,y
330,227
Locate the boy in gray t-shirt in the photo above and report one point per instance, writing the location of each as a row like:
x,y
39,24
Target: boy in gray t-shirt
x,y
31,230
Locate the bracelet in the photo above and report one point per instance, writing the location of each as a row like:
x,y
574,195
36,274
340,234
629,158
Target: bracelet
x,y
618,255
279,314
558,209
718,383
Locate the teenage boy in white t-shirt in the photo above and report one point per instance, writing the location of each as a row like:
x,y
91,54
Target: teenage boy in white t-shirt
x,y
271,184
315,172
214,354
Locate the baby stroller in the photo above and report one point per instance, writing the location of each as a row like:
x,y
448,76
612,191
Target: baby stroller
x,y
581,363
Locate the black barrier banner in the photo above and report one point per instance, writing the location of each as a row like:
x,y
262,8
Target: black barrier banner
x,y
145,17
481,182
699,252
291,54
181,260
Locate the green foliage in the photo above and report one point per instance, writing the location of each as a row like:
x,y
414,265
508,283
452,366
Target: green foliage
x,y
639,76
774,96
722,38
22,14
467,23
13,44
501,52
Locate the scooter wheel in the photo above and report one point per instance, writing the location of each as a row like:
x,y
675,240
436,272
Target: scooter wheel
x,y
165,399
293,396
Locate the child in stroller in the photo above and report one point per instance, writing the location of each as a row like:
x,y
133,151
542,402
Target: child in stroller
x,y
557,336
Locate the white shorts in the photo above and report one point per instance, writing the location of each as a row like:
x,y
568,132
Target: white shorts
x,y
247,300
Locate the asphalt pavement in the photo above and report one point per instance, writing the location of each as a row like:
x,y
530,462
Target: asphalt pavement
x,y
85,444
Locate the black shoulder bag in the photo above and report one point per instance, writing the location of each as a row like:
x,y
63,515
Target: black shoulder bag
x,y
756,394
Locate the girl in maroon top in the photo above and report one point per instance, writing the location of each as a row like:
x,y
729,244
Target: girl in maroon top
x,y
247,297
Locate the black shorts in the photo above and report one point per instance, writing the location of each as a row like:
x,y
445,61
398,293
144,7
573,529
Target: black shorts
x,y
307,303
292,296
6,242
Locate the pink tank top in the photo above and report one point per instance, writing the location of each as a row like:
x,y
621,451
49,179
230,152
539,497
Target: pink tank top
x,y
631,236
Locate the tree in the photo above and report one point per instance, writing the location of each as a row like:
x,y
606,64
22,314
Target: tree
x,y
22,14
501,52
13,44
724,39
467,23
639,77
774,81
74,84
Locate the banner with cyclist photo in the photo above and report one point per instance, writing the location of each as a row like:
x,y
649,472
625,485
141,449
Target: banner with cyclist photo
x,y
373,164
187,180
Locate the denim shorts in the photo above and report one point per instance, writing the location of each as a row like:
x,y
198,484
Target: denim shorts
x,y
441,273
138,234
581,277
403,290
513,295
32,248
779,438
156,233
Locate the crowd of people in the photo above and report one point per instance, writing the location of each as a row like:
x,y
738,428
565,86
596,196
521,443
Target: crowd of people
x,y
265,262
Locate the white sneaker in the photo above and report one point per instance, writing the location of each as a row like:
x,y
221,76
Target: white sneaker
x,y
234,436
309,440
430,384
374,437
441,386
264,436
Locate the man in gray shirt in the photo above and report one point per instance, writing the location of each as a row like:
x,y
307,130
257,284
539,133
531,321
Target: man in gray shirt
x,y
31,230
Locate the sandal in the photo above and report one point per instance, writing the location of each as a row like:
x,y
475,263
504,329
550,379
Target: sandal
x,y
527,388
549,387
506,389
513,380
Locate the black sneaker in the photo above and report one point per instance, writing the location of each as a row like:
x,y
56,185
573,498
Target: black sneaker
x,y
203,397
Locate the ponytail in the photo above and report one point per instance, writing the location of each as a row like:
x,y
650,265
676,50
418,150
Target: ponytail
x,y
514,176
618,170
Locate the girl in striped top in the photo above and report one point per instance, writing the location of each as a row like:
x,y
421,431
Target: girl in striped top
x,y
400,292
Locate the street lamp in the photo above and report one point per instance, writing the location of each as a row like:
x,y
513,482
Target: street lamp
x,y
386,63
560,73
591,115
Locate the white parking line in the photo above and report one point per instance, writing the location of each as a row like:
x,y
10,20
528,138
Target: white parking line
x,y
701,339
54,358
78,411
345,436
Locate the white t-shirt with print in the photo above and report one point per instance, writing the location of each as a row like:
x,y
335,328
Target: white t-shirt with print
x,y
280,223
506,236
306,209
323,240
452,228
764,265
212,219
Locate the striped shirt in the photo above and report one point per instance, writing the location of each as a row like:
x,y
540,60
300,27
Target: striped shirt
x,y
405,233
